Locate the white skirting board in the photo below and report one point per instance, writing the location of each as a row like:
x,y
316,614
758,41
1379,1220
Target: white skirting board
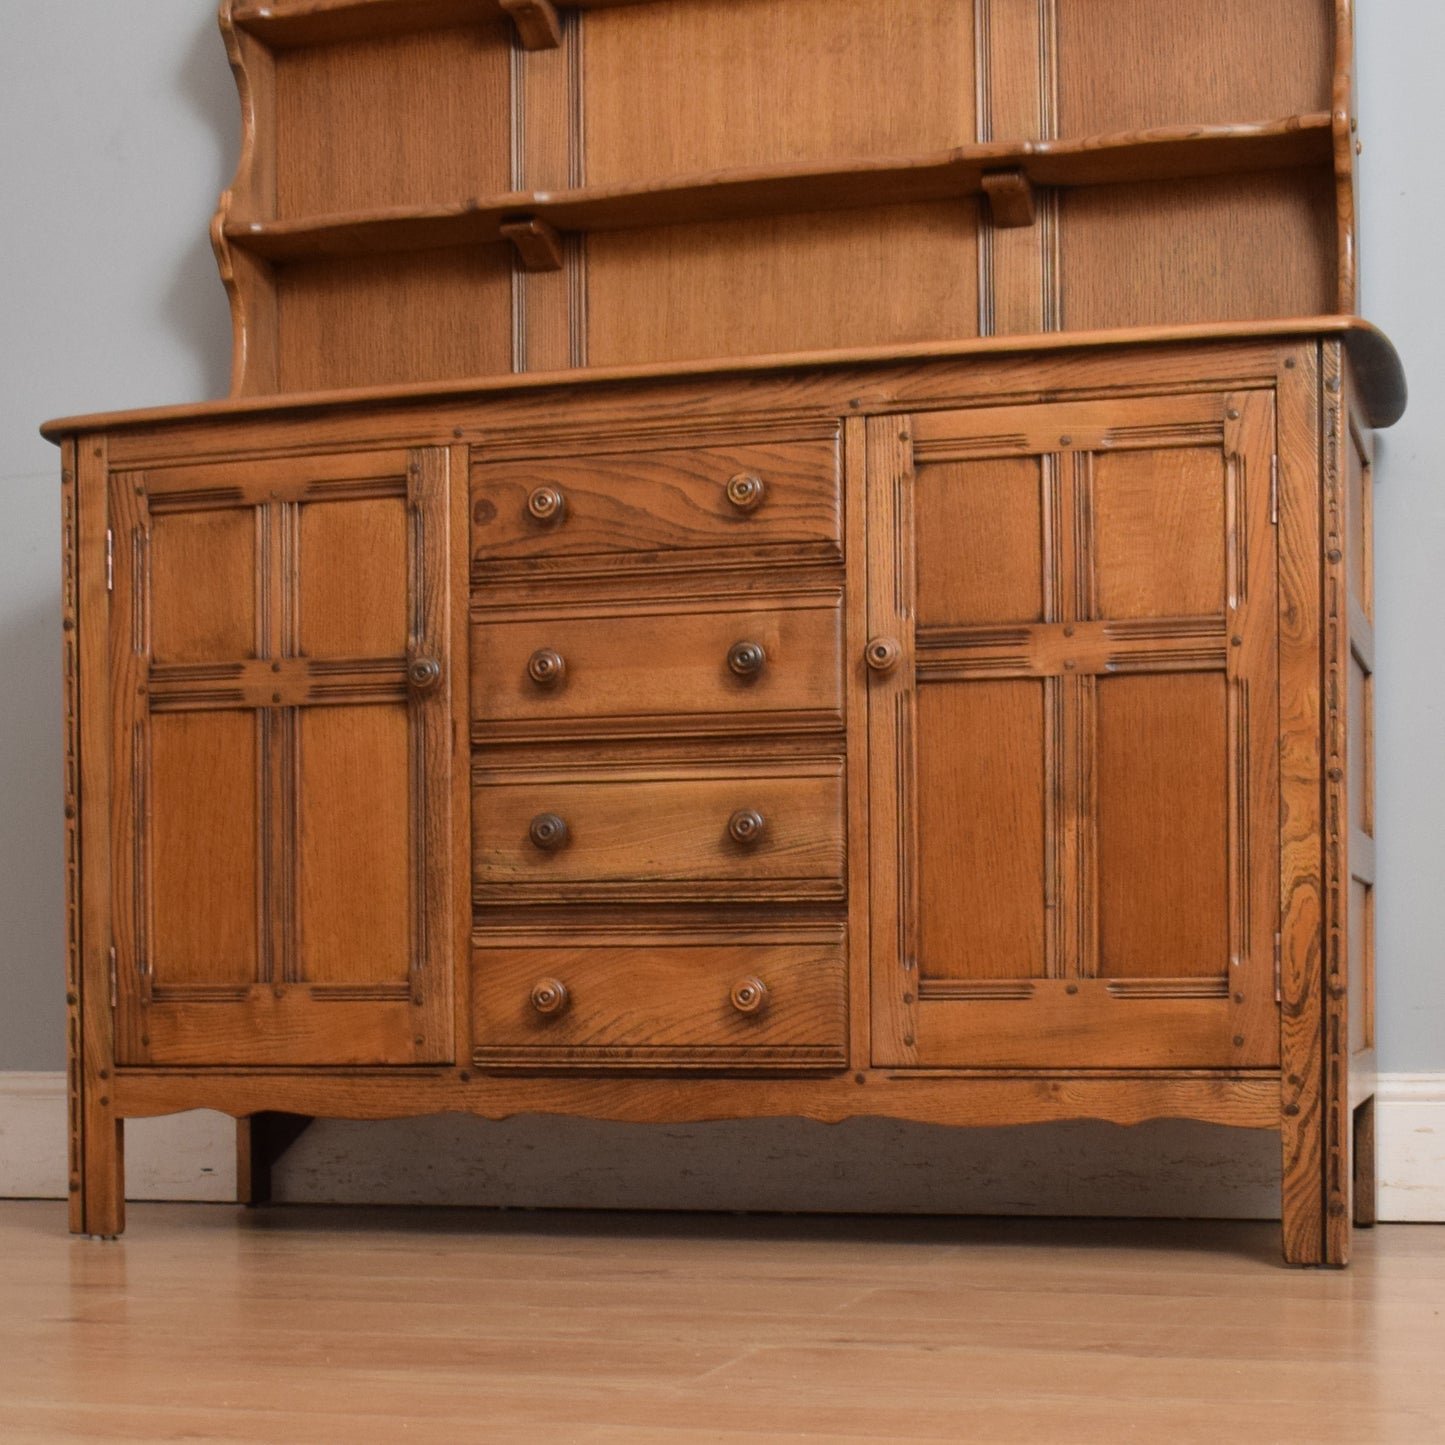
x,y
1167,1168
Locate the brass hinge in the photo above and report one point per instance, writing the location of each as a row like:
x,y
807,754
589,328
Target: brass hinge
x,y
1274,490
109,560
1278,971
114,981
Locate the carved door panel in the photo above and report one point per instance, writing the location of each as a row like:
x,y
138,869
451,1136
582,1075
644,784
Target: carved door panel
x,y
282,761
1073,744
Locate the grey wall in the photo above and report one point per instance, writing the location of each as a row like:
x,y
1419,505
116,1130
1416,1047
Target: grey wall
x,y
119,125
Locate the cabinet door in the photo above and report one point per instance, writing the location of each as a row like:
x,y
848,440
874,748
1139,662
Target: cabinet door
x,y
1073,745
282,772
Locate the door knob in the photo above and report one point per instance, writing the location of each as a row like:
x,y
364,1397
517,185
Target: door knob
x,y
548,832
747,659
883,653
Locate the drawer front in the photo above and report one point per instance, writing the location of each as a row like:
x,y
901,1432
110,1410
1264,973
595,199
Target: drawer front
x,y
674,1007
638,834
554,667
758,495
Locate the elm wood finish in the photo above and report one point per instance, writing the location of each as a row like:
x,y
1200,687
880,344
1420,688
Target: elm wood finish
x,y
406,178
1132,412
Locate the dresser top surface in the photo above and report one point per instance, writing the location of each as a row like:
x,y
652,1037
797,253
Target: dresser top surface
x,y
1379,369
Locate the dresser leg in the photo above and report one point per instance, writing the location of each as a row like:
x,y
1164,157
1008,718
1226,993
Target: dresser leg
x,y
102,1173
261,1140
1364,1185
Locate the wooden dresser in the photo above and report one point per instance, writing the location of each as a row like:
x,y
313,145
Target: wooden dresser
x,y
767,557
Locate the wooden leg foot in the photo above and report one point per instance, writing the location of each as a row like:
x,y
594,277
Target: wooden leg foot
x,y
1364,1187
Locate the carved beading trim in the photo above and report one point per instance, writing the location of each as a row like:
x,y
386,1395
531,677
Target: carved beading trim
x,y
1336,879
69,607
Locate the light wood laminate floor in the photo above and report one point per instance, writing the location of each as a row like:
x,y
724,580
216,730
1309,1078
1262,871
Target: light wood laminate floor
x,y
310,1326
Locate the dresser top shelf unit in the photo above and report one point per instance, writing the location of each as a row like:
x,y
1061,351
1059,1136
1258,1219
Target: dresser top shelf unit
x,y
442,189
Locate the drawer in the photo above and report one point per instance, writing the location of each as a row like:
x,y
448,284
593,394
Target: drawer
x,y
650,832
781,1006
650,660
621,505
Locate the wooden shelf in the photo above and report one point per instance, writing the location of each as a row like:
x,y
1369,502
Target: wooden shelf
x,y
295,24
1164,154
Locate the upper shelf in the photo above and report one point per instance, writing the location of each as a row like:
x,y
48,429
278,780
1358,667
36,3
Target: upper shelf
x,y
293,24
1145,155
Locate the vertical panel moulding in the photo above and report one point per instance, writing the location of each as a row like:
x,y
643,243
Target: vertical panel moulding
x,y
1252,680
548,307
856,682
891,706
575,266
102,1182
456,960
1302,1076
1335,427
429,747
129,658
1016,70
983,86
518,75
1053,555
70,670
1081,714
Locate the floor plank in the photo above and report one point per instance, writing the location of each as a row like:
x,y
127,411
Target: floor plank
x,y
212,1324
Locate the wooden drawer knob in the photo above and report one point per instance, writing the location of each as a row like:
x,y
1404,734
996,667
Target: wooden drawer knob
x,y
747,659
546,668
549,996
749,996
423,673
747,827
548,832
745,491
882,654
547,504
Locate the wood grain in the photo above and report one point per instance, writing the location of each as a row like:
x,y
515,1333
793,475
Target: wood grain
x,y
642,833
368,321
757,68
659,503
1240,248
1156,62
791,283
662,1007
638,661
392,121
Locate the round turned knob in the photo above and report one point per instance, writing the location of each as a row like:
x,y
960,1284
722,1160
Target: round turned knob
x,y
546,668
423,672
749,996
548,832
882,654
747,826
745,491
747,659
549,996
547,504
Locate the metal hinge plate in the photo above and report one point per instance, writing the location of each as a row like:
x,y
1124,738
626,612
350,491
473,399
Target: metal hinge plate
x,y
114,980
1274,490
1278,970
109,560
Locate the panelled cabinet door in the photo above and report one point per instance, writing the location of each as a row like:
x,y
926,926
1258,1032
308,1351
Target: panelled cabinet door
x,y
1073,735
281,763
